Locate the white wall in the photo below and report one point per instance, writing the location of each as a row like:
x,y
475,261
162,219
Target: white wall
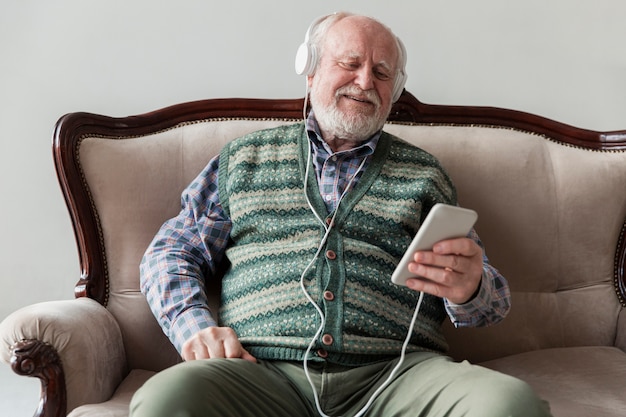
x,y
560,58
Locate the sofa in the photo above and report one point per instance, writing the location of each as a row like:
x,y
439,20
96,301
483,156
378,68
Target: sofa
x,y
551,200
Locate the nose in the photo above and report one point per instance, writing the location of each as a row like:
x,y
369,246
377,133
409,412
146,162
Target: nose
x,y
364,78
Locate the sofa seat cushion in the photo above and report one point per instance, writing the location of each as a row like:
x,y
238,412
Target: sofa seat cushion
x,y
576,381
117,406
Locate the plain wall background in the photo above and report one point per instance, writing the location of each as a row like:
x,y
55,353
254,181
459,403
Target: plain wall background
x,y
564,59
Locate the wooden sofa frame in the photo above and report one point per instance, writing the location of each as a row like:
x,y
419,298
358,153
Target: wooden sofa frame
x,y
37,359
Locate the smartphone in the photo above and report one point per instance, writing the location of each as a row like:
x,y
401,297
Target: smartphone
x,y
442,222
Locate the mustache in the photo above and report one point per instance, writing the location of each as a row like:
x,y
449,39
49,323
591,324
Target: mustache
x,y
354,91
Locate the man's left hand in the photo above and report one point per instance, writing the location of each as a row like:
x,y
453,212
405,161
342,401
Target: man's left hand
x,y
452,270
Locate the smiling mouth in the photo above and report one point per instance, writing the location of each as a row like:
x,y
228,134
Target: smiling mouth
x,y
354,94
358,99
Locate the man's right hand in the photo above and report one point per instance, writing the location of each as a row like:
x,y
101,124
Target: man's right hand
x,y
215,342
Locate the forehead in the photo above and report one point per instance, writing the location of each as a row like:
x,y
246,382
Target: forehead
x,y
361,38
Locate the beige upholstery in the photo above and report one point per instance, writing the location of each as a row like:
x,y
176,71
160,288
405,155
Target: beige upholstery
x,y
550,216
142,189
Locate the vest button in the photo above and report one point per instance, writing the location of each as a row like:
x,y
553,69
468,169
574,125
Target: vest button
x,y
322,353
329,296
328,221
327,339
331,254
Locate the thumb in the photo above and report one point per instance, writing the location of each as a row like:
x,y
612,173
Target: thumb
x,y
245,355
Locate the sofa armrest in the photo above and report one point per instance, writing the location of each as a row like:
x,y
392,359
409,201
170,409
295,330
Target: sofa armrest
x,y
74,346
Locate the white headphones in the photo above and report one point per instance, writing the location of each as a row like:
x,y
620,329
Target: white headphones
x,y
307,58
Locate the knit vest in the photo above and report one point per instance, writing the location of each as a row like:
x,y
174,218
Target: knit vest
x,y
275,235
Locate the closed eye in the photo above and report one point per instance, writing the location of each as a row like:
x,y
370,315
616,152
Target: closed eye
x,y
349,65
382,75
380,71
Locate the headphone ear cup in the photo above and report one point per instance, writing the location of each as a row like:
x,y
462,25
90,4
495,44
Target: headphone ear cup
x,y
401,76
306,59
398,85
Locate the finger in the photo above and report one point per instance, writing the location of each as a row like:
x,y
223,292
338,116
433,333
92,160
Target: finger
x,y
455,263
456,294
444,283
461,246
187,354
247,356
450,263
426,286
439,274
233,349
216,349
194,350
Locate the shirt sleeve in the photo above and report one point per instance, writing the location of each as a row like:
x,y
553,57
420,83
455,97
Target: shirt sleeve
x,y
492,302
183,255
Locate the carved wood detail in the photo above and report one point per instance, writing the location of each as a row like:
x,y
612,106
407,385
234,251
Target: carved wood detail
x,y
620,266
37,359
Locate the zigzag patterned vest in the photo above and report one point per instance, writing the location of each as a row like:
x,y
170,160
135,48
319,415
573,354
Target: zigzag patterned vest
x,y
275,235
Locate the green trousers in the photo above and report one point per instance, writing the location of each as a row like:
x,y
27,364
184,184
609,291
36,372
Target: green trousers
x,y
426,385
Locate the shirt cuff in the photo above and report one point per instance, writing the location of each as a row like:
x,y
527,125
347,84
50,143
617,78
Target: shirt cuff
x,y
188,323
470,314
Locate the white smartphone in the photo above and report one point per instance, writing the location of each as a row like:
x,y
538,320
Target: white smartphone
x,y
442,222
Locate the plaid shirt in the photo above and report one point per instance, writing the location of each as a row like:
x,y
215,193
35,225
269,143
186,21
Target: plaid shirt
x,y
334,170
188,247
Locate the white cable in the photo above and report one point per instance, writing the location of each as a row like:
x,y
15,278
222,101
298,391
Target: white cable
x,y
389,379
306,100
400,361
320,313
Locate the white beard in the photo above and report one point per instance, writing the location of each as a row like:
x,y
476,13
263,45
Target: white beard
x,y
353,126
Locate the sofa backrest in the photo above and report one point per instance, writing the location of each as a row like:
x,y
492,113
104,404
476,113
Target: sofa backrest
x,y
551,215
136,184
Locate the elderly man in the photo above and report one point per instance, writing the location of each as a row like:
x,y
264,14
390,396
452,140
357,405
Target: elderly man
x,y
313,218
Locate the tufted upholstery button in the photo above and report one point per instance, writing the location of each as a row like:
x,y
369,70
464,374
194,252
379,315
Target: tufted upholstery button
x,y
331,254
327,339
322,353
329,296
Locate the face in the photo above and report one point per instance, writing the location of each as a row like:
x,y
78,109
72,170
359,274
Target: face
x,y
351,90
